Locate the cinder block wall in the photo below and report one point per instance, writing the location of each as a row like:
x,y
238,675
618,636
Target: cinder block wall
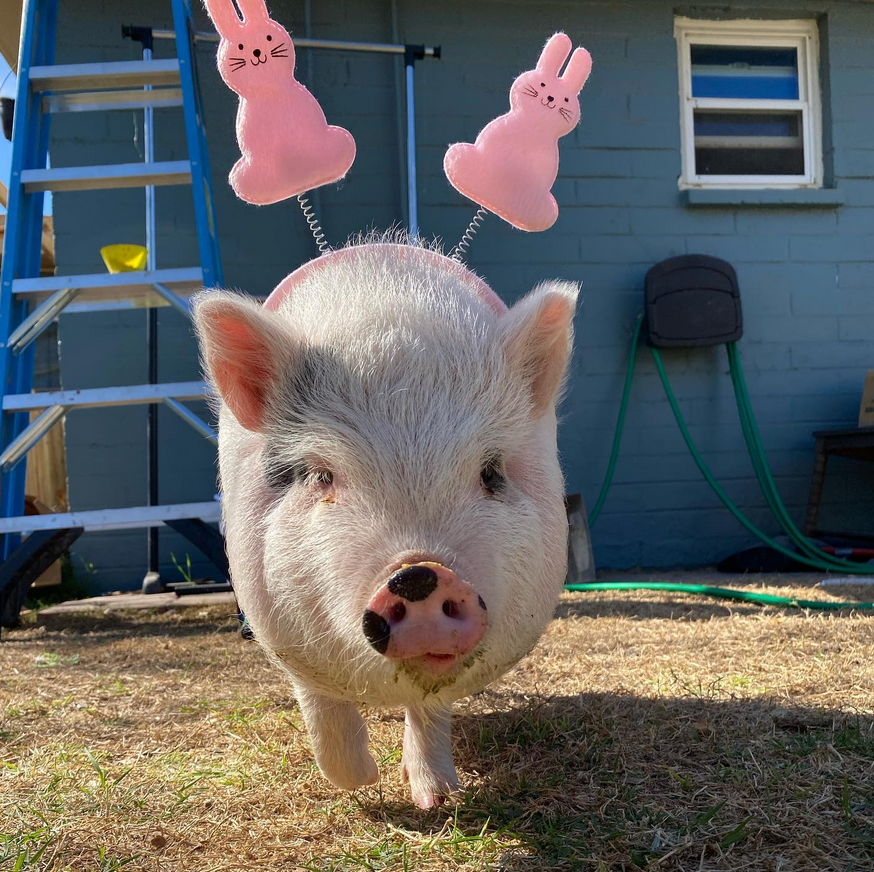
x,y
806,274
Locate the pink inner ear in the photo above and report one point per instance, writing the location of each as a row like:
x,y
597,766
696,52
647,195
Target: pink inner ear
x,y
243,371
287,285
556,313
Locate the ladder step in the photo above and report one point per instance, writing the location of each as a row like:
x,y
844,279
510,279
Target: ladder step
x,y
117,74
114,519
92,398
132,175
105,101
104,287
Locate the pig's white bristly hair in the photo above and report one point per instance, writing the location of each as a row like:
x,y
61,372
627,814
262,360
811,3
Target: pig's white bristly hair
x,y
402,387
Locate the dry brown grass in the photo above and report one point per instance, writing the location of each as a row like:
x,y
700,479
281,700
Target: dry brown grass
x,y
645,732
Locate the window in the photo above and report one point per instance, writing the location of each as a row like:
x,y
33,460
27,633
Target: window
x,y
749,103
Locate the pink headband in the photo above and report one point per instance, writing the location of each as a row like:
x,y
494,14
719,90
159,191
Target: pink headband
x,y
401,252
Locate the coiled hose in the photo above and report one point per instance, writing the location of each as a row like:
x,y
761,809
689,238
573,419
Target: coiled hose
x,y
810,554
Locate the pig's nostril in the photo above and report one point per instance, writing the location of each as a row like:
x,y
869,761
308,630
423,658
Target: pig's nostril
x,y
450,609
482,603
398,611
376,630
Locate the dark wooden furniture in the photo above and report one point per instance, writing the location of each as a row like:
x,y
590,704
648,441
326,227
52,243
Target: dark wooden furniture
x,y
857,442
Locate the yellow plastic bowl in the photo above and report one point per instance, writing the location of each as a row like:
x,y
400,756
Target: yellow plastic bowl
x,y
124,258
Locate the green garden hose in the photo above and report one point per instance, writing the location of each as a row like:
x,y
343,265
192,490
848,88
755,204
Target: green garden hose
x,y
620,424
810,554
756,449
813,562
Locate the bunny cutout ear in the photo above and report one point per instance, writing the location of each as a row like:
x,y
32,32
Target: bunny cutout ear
x,y
253,10
554,54
224,17
577,71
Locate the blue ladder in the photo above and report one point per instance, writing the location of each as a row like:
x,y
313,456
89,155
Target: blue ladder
x,y
30,303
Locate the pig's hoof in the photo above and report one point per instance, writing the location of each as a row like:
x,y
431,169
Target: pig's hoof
x,y
431,789
350,773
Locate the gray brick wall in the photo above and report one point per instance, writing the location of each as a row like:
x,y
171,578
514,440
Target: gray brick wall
x,y
806,274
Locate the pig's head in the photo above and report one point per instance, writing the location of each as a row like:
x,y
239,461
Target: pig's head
x,y
393,500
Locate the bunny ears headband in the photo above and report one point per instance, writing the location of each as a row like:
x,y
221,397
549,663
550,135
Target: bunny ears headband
x,y
288,147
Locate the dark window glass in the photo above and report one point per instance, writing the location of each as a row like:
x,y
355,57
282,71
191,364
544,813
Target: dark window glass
x,y
748,143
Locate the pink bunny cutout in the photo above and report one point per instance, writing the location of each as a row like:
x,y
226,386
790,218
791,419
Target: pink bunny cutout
x,y
288,147
512,166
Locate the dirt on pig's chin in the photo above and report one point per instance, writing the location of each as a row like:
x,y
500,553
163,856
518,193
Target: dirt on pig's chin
x,y
461,675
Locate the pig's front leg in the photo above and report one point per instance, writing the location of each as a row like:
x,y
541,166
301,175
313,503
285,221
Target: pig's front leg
x,y
339,738
427,764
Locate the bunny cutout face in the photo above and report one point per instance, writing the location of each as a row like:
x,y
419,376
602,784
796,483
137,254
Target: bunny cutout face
x,y
248,46
557,95
287,145
512,166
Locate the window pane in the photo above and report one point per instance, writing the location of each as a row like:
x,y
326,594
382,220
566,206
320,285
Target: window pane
x,y
748,143
747,72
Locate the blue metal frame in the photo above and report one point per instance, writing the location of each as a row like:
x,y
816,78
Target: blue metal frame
x,y
195,135
412,193
22,251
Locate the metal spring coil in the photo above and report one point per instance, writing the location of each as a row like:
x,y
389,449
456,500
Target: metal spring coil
x,y
313,224
458,252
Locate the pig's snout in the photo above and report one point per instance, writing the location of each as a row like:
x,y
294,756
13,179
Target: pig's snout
x,y
425,611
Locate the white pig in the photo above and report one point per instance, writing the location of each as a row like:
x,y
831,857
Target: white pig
x,y
392,497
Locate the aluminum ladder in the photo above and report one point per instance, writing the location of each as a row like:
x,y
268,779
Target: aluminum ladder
x,y
29,303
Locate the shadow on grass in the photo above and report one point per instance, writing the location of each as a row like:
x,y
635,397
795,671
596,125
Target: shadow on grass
x,y
703,609
664,609
109,626
630,783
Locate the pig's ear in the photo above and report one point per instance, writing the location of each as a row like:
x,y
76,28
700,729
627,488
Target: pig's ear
x,y
245,352
537,337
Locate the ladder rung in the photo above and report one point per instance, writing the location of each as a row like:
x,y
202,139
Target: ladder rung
x,y
104,287
124,395
114,519
117,74
105,101
132,175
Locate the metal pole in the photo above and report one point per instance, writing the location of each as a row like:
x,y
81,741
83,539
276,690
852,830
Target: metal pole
x,y
412,199
190,418
400,107
152,580
428,51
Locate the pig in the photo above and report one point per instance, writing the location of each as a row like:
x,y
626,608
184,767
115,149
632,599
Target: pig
x,y
392,495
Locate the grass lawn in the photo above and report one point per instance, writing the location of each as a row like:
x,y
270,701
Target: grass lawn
x,y
646,731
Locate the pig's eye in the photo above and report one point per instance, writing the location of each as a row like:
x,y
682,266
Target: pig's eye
x,y
282,476
492,477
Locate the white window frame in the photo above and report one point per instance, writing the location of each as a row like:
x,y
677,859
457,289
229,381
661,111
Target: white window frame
x,y
802,35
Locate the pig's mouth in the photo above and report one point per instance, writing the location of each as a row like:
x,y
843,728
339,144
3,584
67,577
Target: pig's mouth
x,y
440,663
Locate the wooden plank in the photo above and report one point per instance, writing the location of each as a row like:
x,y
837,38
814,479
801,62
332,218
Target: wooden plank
x,y
46,480
10,30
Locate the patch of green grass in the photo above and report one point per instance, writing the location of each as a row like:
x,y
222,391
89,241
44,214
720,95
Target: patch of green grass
x,y
22,850
111,864
183,570
381,855
49,659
